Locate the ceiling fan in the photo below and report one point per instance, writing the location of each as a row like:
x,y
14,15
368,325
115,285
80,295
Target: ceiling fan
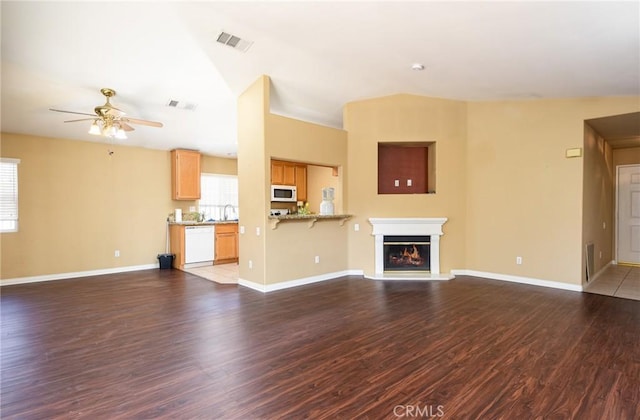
x,y
108,120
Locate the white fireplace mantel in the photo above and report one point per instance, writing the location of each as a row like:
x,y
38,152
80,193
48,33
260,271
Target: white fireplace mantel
x,y
431,227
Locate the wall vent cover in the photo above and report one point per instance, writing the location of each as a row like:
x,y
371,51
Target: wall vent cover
x,y
233,41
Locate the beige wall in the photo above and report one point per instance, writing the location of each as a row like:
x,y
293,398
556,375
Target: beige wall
x,y
524,196
292,247
78,204
319,177
253,196
597,200
406,118
286,253
218,165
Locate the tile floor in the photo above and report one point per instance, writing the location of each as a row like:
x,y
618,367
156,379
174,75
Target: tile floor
x,y
222,273
619,281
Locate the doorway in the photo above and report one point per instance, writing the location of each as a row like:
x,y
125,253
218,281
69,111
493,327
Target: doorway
x,y
628,214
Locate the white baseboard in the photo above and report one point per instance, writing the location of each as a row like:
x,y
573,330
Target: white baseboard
x,y
62,276
302,281
265,288
415,276
519,279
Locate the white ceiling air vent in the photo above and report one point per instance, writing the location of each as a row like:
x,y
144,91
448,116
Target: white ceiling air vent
x,y
189,106
233,41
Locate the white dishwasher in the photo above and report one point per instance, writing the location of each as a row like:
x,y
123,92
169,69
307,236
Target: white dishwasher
x,y
198,244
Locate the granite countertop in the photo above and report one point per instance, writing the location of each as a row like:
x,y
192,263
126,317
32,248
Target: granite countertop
x,y
205,223
310,216
311,219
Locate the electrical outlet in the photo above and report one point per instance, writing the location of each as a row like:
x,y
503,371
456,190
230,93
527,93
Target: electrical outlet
x,y
241,230
250,264
396,183
409,182
518,260
116,253
356,227
257,231
317,259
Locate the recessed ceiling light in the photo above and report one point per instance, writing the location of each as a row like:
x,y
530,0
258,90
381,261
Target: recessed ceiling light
x,y
417,66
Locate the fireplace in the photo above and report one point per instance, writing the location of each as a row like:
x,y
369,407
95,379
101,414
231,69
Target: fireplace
x,y
406,253
407,248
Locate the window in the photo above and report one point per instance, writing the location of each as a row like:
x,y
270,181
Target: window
x,y
9,194
218,195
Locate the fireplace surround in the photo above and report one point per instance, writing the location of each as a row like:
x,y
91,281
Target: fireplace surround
x,y
410,229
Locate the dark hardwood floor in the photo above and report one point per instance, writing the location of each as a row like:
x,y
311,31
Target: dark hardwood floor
x,y
167,344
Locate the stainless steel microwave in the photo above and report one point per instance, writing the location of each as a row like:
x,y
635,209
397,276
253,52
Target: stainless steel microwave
x,y
284,193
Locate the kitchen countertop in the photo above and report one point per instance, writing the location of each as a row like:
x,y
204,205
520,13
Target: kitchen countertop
x,y
215,222
310,218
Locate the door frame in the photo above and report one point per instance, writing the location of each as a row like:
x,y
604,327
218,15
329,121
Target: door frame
x,y
615,234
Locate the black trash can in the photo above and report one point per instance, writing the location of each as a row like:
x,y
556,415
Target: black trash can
x,y
166,260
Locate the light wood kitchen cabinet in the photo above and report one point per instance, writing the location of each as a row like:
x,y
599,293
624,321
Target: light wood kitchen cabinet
x,y
301,182
290,173
176,236
185,174
283,173
226,243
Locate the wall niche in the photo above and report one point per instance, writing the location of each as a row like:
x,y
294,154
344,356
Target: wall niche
x,y
406,168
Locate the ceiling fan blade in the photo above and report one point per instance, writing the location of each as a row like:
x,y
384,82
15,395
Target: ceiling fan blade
x,y
142,122
71,112
125,126
81,119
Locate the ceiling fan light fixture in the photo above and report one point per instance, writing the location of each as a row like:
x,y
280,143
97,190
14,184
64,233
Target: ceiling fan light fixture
x,y
95,129
120,134
109,131
108,120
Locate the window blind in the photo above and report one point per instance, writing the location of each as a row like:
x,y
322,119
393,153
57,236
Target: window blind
x,y
8,194
216,192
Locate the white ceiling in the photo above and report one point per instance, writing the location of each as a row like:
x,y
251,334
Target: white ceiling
x,y
319,55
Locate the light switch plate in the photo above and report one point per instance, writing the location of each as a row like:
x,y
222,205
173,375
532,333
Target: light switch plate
x,y
396,183
575,152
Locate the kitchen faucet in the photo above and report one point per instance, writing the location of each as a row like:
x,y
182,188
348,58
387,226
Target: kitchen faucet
x,y
224,211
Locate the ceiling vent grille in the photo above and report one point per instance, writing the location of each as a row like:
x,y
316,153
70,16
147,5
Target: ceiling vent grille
x,y
189,106
233,41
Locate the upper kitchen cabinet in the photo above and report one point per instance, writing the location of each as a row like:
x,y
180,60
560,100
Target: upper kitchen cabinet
x,y
301,182
185,174
283,173
290,173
